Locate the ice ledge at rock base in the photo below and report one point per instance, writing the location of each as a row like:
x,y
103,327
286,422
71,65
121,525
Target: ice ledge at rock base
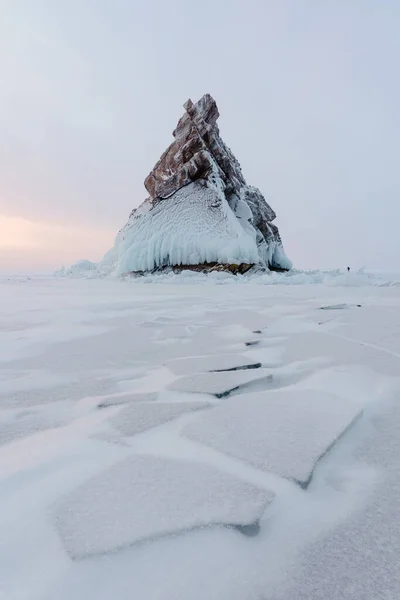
x,y
200,209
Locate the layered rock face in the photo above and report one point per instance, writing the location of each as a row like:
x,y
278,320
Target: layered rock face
x,y
200,210
198,152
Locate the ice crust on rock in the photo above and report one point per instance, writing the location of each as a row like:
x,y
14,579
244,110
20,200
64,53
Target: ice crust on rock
x,y
285,432
143,498
200,210
194,226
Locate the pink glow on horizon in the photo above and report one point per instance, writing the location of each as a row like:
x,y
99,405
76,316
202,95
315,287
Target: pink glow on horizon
x,y
27,244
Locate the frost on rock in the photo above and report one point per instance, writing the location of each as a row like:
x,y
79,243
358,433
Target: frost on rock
x,y
200,211
192,227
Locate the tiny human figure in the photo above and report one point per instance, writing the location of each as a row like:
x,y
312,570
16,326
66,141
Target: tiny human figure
x,y
348,269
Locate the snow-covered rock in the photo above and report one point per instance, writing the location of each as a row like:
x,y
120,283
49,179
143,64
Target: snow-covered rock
x,y
200,210
192,227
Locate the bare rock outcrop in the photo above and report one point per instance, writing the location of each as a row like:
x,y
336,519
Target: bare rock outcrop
x,y
200,210
197,152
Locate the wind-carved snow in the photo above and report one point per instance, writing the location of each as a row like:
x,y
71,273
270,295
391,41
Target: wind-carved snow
x,y
16,424
136,418
144,498
126,398
285,432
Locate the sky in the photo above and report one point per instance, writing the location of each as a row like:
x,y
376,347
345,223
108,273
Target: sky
x,y
308,92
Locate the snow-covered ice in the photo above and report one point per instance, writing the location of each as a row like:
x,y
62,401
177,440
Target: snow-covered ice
x,y
220,362
359,558
285,431
86,361
220,383
136,418
144,497
126,398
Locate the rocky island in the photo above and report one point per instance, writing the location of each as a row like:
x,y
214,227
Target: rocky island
x,y
200,213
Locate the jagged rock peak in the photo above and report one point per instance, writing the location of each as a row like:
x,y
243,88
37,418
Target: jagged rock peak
x,y
197,152
200,210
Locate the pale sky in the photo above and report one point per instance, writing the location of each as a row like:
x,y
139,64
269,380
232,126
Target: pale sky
x,y
308,92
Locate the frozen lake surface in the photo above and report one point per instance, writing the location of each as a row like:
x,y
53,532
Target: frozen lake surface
x,y
185,438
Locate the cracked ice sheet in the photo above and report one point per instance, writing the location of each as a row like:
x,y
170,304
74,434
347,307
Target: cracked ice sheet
x,y
216,563
143,498
284,432
218,362
219,384
341,351
125,398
